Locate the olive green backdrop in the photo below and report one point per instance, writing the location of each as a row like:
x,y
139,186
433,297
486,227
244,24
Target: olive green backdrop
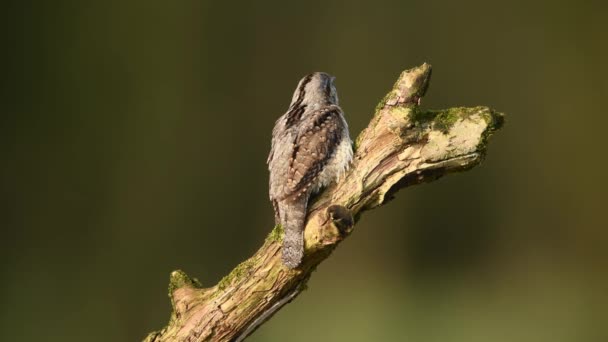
x,y
134,136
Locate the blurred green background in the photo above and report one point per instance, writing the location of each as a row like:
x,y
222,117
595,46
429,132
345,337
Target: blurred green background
x,y
134,137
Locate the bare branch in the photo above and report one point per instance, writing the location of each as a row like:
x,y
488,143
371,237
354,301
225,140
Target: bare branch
x,y
401,146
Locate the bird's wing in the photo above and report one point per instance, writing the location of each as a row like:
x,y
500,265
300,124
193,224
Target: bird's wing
x,y
315,143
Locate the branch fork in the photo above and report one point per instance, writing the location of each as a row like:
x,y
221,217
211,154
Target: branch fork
x,y
402,146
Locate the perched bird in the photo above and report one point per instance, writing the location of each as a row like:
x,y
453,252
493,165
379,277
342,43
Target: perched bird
x,y
310,149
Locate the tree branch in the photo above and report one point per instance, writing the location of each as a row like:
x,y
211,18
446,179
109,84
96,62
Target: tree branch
x,y
402,146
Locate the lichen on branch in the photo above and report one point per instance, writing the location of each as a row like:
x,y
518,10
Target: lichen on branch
x,y
402,146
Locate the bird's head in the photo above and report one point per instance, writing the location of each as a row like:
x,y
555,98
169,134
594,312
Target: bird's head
x,y
315,89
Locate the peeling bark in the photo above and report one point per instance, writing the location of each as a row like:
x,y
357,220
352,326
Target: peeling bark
x,y
402,146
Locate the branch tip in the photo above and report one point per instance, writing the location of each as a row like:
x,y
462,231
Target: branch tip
x,y
411,86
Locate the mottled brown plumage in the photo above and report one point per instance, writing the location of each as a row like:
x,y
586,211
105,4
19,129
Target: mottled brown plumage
x,y
311,147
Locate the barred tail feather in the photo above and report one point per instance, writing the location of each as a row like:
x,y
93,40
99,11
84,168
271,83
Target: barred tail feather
x,y
293,216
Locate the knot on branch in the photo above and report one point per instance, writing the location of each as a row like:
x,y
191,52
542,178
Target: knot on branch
x,y
185,292
342,218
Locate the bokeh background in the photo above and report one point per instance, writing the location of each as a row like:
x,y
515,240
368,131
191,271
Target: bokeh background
x,y
134,136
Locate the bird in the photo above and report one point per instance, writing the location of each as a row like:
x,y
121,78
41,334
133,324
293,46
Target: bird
x,y
310,149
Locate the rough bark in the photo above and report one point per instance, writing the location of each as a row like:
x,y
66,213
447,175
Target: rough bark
x,y
402,146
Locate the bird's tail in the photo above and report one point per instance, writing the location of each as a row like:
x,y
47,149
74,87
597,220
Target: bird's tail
x,y
293,216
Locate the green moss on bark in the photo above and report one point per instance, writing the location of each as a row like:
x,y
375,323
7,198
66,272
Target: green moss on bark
x,y
237,273
276,235
444,120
